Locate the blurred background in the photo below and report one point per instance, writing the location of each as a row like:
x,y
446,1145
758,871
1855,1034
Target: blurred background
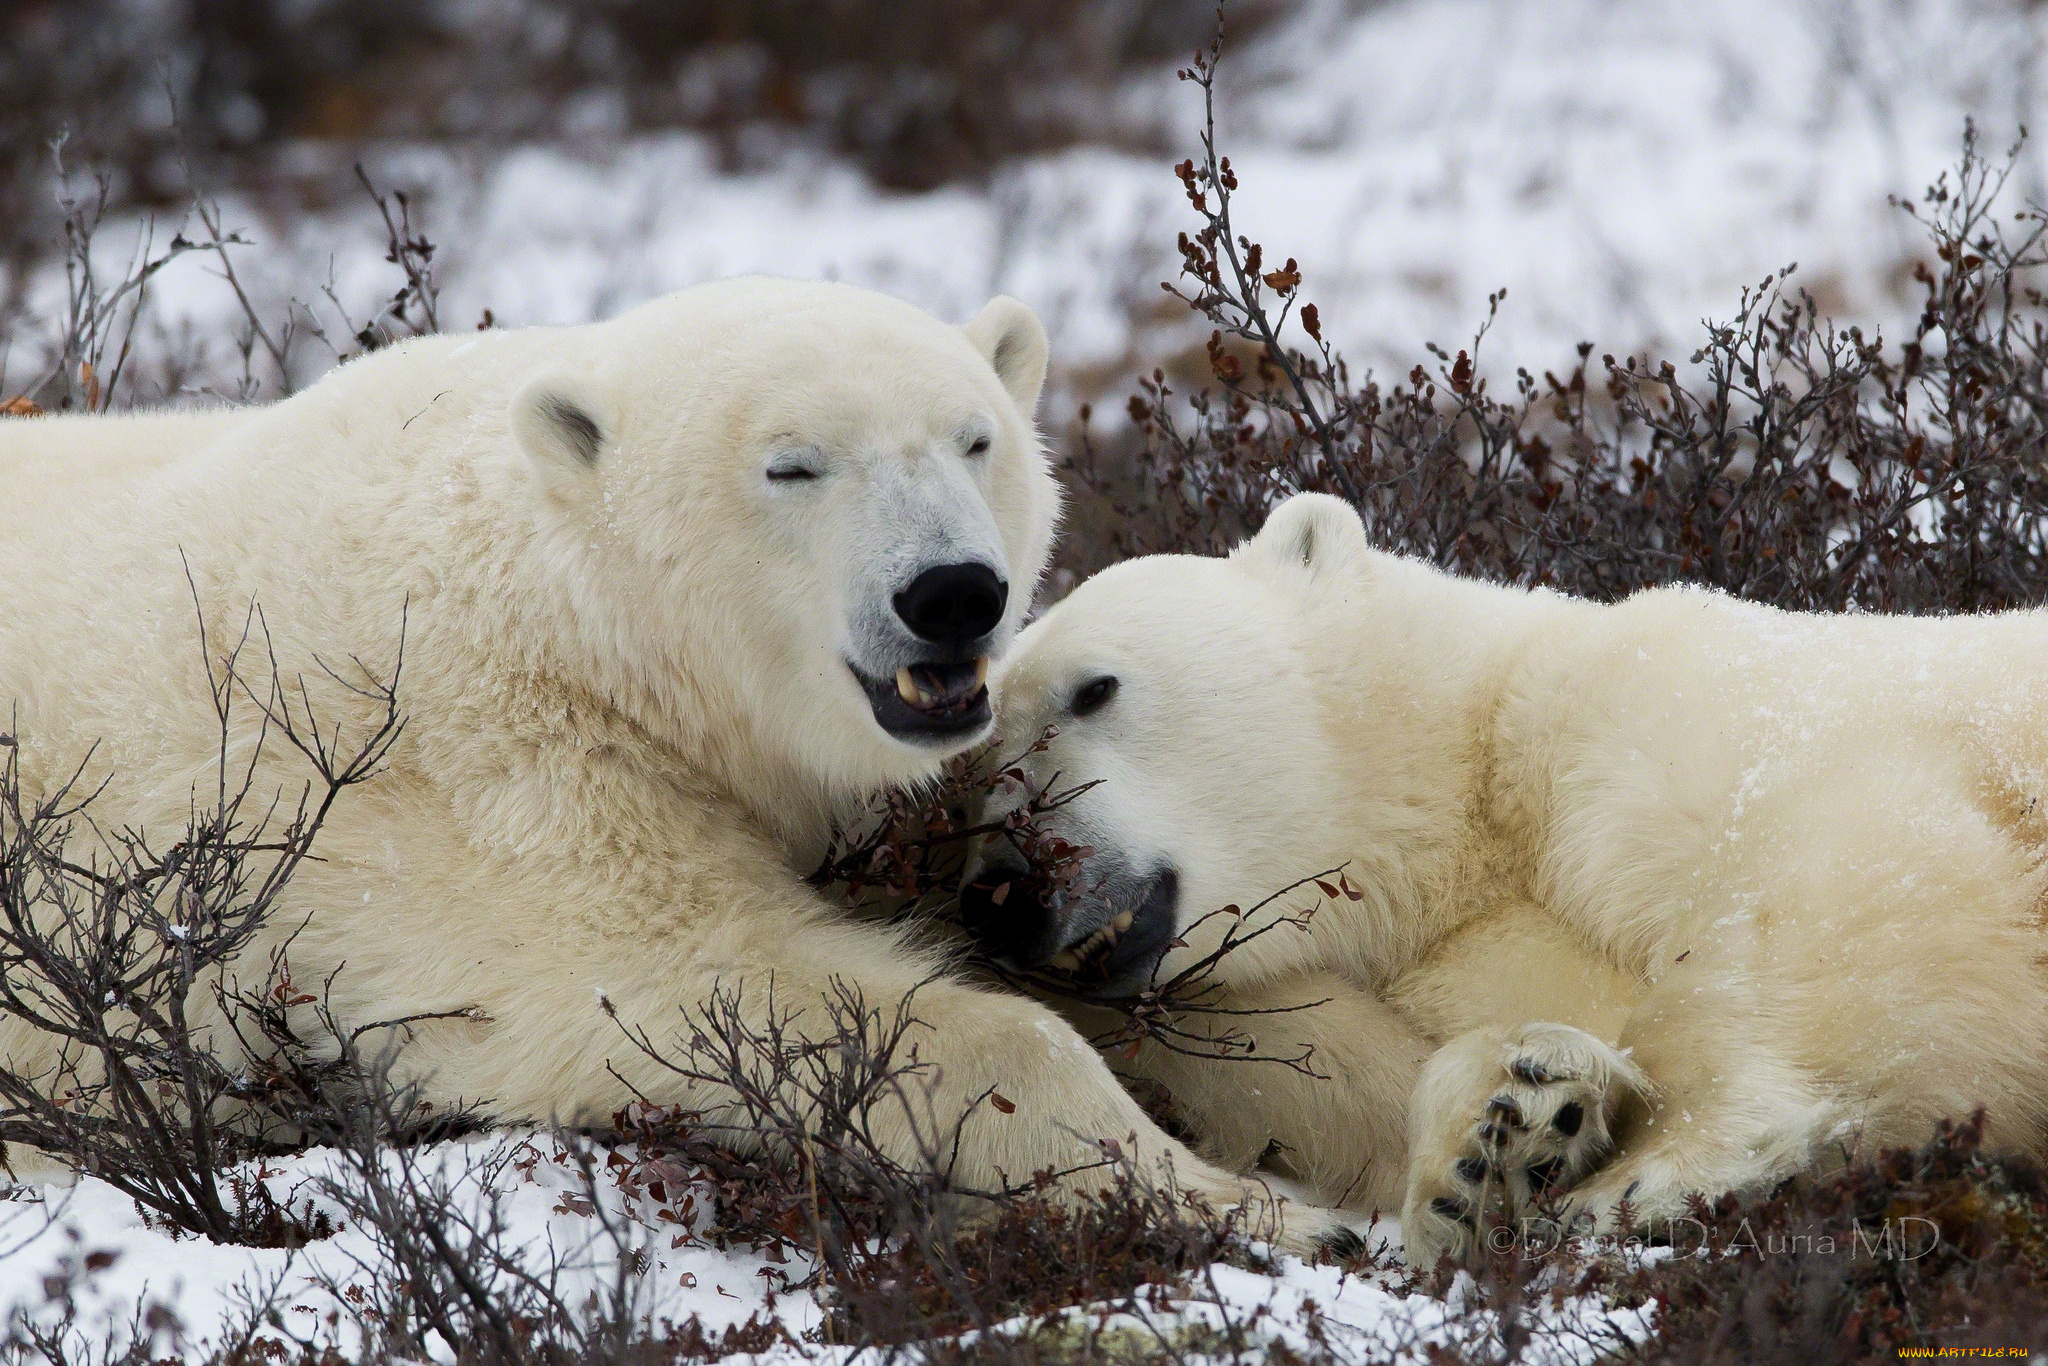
x,y
1621,167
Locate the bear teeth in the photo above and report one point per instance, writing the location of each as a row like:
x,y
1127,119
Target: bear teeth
x,y
1095,945
1105,938
931,689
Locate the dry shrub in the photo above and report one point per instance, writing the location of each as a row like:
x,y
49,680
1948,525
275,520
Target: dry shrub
x,y
122,947
109,349
1944,1247
920,92
907,1254
1790,461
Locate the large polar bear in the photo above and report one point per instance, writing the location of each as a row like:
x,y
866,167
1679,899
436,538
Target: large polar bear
x,y
679,590
1674,896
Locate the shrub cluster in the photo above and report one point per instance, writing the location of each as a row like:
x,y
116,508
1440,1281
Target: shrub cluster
x,y
121,946
1789,461
1945,1247
919,92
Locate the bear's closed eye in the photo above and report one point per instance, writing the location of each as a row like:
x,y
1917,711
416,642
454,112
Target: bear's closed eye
x,y
1093,695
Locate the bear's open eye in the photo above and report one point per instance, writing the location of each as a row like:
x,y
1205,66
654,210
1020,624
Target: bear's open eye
x,y
1092,695
979,447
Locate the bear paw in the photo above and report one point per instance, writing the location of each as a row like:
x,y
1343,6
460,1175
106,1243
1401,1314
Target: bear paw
x,y
1502,1124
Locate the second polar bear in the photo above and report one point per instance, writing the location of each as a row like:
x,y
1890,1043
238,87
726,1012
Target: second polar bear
x,y
1667,897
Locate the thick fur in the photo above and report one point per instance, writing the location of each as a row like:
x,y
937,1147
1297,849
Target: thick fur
x,y
1675,896
630,720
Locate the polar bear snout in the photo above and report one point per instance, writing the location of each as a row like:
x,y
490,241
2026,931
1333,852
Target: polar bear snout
x,y
1121,957
1108,933
954,606
926,675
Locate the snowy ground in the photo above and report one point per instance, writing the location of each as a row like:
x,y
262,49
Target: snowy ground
x,y
1622,167
208,1288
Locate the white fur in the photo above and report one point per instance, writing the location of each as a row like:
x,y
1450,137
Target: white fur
x,y
1782,875
631,721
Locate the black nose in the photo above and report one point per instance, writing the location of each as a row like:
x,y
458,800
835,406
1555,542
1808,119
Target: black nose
x,y
1002,911
954,604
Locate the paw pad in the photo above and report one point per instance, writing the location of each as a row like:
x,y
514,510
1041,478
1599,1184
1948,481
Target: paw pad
x,y
1516,1122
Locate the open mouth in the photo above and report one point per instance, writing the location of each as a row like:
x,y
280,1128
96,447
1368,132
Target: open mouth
x,y
1119,956
931,701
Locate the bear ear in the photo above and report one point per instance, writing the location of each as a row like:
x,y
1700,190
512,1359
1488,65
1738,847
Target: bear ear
x,y
561,425
1009,335
1311,531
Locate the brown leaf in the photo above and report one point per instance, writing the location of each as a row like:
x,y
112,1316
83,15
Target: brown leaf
x,y
1286,278
1002,1103
21,406
1461,374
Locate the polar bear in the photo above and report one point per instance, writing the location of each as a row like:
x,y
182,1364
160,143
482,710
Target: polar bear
x,y
1679,895
679,590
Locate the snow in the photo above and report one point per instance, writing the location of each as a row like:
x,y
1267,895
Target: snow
x,y
538,1193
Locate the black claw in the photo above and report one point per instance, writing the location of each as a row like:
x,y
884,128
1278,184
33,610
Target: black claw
x,y
1530,1071
1568,1118
1472,1168
1544,1175
1506,1109
1343,1245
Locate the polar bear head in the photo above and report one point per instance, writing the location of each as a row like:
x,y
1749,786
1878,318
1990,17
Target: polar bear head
x,y
1189,748
799,521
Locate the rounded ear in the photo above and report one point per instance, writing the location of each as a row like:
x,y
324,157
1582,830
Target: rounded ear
x,y
1009,335
1311,531
562,426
